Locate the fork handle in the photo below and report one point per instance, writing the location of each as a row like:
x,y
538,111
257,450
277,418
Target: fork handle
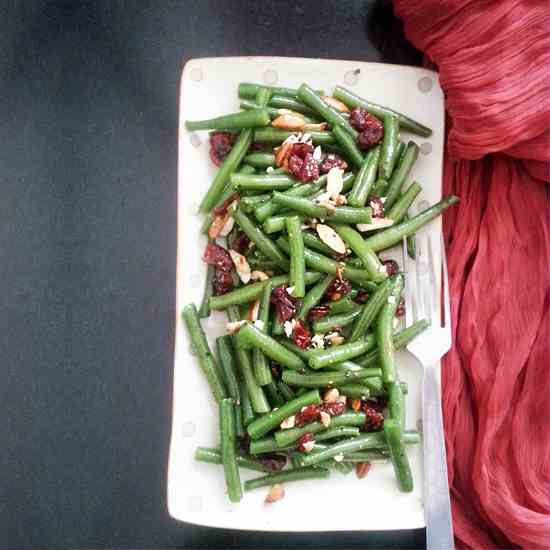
x,y
437,504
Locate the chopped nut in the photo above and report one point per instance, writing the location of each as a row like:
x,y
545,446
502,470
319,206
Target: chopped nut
x,y
340,200
325,419
319,127
335,104
254,310
288,121
233,327
339,457
356,404
277,492
335,182
331,396
259,276
228,226
289,422
241,266
336,340
376,223
218,224
331,238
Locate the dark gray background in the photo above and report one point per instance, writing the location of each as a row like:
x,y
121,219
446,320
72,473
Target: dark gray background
x,y
88,133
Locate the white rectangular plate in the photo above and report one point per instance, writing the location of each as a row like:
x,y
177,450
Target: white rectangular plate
x,y
196,492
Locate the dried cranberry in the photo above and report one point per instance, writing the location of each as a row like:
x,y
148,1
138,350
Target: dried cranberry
x,y
362,297
338,289
306,438
374,420
358,118
334,409
295,164
240,243
221,144
362,469
318,312
273,462
222,282
367,138
377,205
392,267
400,310
378,404
331,161
257,146
305,169
302,149
217,255
301,335
370,128
309,414
284,303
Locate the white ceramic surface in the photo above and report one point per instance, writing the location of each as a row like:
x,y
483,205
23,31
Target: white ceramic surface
x,y
196,492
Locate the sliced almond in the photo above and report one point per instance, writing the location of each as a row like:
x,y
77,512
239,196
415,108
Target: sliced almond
x,y
376,223
288,327
331,238
335,104
288,121
339,200
227,227
325,419
290,290
323,197
218,224
289,422
259,276
318,153
241,266
317,127
282,153
277,492
335,182
234,326
339,457
308,446
317,341
253,310
336,340
331,396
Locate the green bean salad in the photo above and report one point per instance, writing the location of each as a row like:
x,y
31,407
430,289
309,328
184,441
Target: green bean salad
x,y
309,189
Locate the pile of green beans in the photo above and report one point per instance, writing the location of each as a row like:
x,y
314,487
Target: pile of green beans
x,y
311,309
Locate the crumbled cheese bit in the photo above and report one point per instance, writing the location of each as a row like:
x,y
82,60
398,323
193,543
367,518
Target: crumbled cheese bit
x,y
331,238
318,153
234,326
339,458
391,299
325,419
289,422
335,182
317,341
331,396
241,266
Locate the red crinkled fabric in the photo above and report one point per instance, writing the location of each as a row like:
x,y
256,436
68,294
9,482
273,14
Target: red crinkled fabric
x,y
493,58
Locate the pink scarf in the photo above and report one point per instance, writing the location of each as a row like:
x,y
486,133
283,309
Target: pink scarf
x,y
493,57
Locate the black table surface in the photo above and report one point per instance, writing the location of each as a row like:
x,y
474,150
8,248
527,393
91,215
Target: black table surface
x,y
88,125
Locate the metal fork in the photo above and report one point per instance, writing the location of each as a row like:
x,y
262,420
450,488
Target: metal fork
x,y
422,300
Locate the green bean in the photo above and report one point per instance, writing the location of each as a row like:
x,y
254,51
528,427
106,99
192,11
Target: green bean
x,y
260,160
400,207
399,152
311,240
295,474
250,336
297,350
364,179
248,204
348,144
394,234
334,322
325,357
266,423
291,104
263,265
384,330
239,425
317,261
274,396
355,391
233,121
326,379
286,390
352,100
400,340
342,467
226,193
227,363
376,455
263,96
228,446
262,182
297,262
248,90
354,239
343,305
336,432
275,112
388,153
257,236
284,438
276,327
247,412
402,170
229,165
401,466
214,456
396,401
276,136
262,370
204,310
207,363
266,445
411,242
379,189
370,311
331,115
